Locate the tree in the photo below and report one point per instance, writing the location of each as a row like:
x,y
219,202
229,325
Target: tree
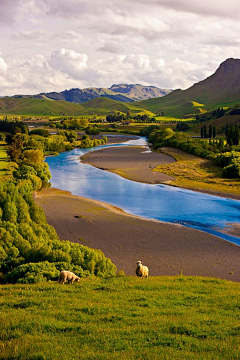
x,y
214,131
210,131
204,131
32,157
232,134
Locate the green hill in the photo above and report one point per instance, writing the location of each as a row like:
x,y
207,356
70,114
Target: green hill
x,y
106,105
38,107
46,107
122,318
174,104
222,89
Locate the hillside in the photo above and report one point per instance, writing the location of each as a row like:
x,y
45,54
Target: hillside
x,y
43,107
121,92
106,105
38,107
220,122
122,318
220,89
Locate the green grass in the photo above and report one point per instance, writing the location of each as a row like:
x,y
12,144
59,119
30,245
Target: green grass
x,y
3,159
122,318
193,172
171,119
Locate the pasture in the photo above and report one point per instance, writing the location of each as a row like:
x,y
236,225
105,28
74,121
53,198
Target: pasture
x,y
121,318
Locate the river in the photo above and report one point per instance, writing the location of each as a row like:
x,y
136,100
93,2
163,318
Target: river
x,y
205,212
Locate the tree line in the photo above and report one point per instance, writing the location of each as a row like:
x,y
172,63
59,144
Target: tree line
x,y
222,154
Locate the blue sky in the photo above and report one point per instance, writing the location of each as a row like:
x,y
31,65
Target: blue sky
x,y
52,45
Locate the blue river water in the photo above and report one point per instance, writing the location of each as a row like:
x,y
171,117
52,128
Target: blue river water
x,y
161,202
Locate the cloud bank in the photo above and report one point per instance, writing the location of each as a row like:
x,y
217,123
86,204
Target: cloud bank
x,y
51,45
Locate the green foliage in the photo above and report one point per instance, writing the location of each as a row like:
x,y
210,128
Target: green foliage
x,y
86,142
230,161
183,126
30,250
92,131
121,318
13,127
41,132
232,171
75,124
33,273
233,134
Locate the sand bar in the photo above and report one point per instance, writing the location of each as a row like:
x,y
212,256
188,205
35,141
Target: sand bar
x,y
132,162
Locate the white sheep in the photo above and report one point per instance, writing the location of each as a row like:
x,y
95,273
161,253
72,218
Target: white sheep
x,y
67,276
141,271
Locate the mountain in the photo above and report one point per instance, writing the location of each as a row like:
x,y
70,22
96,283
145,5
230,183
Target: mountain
x,y
121,92
220,89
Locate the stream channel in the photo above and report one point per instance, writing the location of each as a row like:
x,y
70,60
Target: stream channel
x,y
201,211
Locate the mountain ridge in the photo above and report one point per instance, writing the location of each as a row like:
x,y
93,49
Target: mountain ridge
x,y
118,92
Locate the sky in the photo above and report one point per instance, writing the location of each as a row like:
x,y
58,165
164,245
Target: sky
x,y
53,45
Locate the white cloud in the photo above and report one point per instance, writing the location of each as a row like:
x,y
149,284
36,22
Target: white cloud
x,y
111,47
66,68
69,62
3,65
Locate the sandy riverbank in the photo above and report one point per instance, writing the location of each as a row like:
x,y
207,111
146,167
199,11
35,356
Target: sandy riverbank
x,y
132,162
166,248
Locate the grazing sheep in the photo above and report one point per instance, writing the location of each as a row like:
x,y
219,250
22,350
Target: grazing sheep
x,y
67,276
141,271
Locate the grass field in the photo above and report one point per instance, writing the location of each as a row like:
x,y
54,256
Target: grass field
x,y
122,318
195,173
3,159
171,119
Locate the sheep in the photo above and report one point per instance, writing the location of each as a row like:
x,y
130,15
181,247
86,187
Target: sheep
x,y
67,276
141,271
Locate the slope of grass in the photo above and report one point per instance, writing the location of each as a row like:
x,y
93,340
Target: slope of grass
x,y
193,172
175,104
220,122
105,104
38,107
122,318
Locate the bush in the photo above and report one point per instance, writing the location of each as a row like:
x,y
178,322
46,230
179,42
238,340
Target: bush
x,y
92,131
232,171
41,132
29,246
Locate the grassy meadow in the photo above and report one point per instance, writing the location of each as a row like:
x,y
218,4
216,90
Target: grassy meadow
x,y
193,172
122,318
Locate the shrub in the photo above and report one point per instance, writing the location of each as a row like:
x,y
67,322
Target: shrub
x,y
232,171
29,246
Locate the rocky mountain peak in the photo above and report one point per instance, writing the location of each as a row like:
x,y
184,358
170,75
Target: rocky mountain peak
x,y
229,66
